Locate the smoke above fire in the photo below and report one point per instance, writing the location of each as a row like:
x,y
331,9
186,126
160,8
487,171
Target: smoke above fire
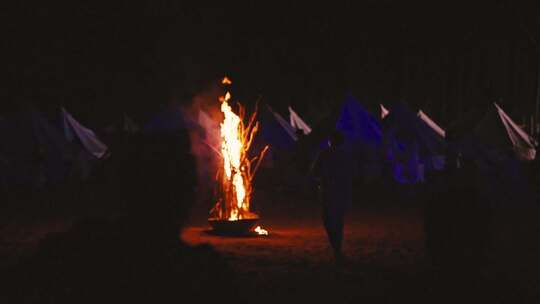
x,y
203,115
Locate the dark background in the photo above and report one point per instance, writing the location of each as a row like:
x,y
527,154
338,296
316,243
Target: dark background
x,y
102,60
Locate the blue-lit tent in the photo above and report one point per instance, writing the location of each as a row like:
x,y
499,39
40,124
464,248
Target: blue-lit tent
x,y
411,146
275,130
363,135
360,128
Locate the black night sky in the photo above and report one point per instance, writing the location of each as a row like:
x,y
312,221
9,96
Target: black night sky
x,y
443,57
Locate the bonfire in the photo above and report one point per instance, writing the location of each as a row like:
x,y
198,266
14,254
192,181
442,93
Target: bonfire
x,y
235,176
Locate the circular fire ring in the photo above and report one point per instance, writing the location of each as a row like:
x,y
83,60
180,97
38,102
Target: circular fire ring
x,y
238,227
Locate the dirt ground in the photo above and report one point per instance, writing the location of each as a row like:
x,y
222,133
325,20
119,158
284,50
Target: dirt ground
x,y
384,243
294,262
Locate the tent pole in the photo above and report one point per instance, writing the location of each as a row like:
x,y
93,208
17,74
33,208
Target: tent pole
x,y
537,107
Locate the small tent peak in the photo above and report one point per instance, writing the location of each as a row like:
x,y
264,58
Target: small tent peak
x,y
519,138
283,123
298,123
384,111
72,129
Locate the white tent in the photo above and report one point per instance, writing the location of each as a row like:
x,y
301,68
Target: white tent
x,y
298,123
284,124
384,112
423,116
87,137
34,152
496,131
524,145
411,145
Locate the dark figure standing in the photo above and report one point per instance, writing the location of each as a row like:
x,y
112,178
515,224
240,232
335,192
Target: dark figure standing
x,y
335,189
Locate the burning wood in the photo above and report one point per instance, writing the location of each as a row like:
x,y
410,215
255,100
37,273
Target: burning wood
x,y
237,173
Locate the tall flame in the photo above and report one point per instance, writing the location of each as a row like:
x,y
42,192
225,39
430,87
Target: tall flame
x,y
237,172
231,150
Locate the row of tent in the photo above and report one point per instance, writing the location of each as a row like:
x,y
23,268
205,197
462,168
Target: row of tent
x,y
405,144
414,140
398,142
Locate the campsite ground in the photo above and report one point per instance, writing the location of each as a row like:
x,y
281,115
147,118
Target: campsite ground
x,y
385,245
294,263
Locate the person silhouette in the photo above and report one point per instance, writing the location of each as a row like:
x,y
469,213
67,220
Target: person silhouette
x,y
334,170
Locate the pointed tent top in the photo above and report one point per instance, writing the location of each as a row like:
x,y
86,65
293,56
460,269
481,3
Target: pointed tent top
x,y
408,127
423,116
274,131
298,123
384,111
86,136
523,144
284,124
26,132
357,123
495,130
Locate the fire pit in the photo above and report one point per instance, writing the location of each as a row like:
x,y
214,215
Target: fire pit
x,y
238,227
231,214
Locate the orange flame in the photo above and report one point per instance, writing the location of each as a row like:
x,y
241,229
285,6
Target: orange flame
x,y
237,172
226,81
261,231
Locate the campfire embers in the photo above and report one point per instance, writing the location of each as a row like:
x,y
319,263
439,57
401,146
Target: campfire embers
x,y
231,214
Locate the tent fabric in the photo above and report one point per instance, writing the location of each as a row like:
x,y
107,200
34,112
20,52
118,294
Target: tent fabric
x,y
73,129
384,112
363,136
33,151
408,127
424,117
275,131
496,131
411,146
357,124
284,124
524,145
298,123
